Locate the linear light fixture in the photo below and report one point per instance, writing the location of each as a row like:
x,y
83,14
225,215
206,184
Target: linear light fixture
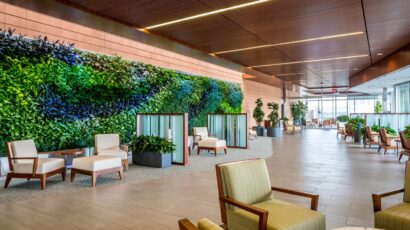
x,y
207,14
292,42
288,74
313,60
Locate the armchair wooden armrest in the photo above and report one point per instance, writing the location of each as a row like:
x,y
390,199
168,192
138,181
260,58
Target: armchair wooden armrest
x,y
197,136
124,147
262,214
185,224
35,162
314,197
377,198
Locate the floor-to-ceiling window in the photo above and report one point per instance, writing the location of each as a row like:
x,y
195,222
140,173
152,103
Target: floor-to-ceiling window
x,y
403,97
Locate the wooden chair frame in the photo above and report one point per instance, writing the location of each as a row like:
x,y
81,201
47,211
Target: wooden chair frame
x,y
405,149
261,213
33,175
196,138
185,224
377,198
383,142
369,138
123,147
348,131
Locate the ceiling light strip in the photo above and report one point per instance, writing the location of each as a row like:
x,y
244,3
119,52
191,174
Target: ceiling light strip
x,y
207,14
292,42
308,61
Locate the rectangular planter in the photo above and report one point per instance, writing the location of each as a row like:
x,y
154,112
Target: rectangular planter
x,y
4,166
152,159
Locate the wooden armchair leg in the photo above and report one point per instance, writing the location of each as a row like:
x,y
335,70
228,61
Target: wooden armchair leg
x,y
73,172
63,175
93,179
43,181
7,182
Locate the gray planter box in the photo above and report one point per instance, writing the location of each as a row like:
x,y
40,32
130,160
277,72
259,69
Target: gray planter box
x,y
4,166
260,131
273,131
152,159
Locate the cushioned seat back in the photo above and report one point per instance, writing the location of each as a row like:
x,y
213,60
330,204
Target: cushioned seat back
x,y
383,137
201,131
246,181
405,142
406,197
25,148
348,129
107,142
369,134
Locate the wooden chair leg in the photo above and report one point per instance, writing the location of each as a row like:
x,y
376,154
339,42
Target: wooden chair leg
x,y
379,149
121,174
401,155
225,150
125,164
73,172
216,151
28,179
385,150
8,179
93,179
199,150
43,181
63,175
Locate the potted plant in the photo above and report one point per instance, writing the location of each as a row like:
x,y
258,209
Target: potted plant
x,y
258,115
342,118
151,151
299,110
273,116
406,132
378,108
357,124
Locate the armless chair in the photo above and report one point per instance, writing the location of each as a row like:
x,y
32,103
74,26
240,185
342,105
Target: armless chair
x,y
405,143
24,162
109,145
396,217
370,140
201,133
384,142
340,126
246,201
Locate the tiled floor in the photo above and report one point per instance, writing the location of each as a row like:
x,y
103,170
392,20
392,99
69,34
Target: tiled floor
x,y
343,174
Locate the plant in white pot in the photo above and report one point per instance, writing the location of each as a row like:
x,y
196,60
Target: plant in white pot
x,y
258,115
273,116
152,151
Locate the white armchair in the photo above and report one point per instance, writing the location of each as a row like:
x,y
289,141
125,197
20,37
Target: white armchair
x,y
109,145
24,162
201,133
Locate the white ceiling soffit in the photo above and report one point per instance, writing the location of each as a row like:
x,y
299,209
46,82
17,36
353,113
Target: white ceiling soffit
x,y
376,86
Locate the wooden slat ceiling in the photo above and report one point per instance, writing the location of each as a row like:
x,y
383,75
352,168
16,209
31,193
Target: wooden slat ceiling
x,y
385,25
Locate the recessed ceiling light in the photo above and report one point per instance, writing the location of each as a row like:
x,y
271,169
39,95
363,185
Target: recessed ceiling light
x,y
379,54
206,14
313,60
333,70
291,42
355,69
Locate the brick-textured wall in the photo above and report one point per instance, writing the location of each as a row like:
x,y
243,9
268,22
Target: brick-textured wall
x,y
31,23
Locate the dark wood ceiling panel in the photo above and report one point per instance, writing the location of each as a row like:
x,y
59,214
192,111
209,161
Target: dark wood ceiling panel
x,y
143,12
332,48
211,34
388,25
257,56
283,21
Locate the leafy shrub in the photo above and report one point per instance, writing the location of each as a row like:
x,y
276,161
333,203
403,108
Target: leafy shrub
x,y
153,144
258,114
273,116
353,122
342,118
407,131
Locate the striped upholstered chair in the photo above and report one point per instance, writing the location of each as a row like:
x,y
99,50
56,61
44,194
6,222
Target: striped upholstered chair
x,y
396,217
246,201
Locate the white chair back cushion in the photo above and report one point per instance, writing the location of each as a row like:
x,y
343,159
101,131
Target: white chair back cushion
x,y
107,142
201,131
25,148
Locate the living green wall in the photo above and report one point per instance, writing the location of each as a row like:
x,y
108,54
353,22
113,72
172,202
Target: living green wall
x,y
60,96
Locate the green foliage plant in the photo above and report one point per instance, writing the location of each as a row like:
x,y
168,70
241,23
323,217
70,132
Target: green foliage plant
x,y
342,118
153,144
378,108
258,114
298,110
407,131
353,122
273,116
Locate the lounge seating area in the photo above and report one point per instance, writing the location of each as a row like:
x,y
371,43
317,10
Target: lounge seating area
x,y
205,115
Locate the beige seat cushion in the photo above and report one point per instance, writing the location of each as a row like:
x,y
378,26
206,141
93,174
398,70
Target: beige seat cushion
x,y
44,165
396,217
96,163
281,215
208,143
114,153
205,224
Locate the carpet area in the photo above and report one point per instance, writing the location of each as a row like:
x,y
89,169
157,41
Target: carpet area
x,y
21,189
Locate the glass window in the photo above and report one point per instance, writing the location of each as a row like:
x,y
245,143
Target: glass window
x,y
403,97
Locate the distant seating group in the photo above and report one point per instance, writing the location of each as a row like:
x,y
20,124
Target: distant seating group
x,y
206,141
26,162
289,127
